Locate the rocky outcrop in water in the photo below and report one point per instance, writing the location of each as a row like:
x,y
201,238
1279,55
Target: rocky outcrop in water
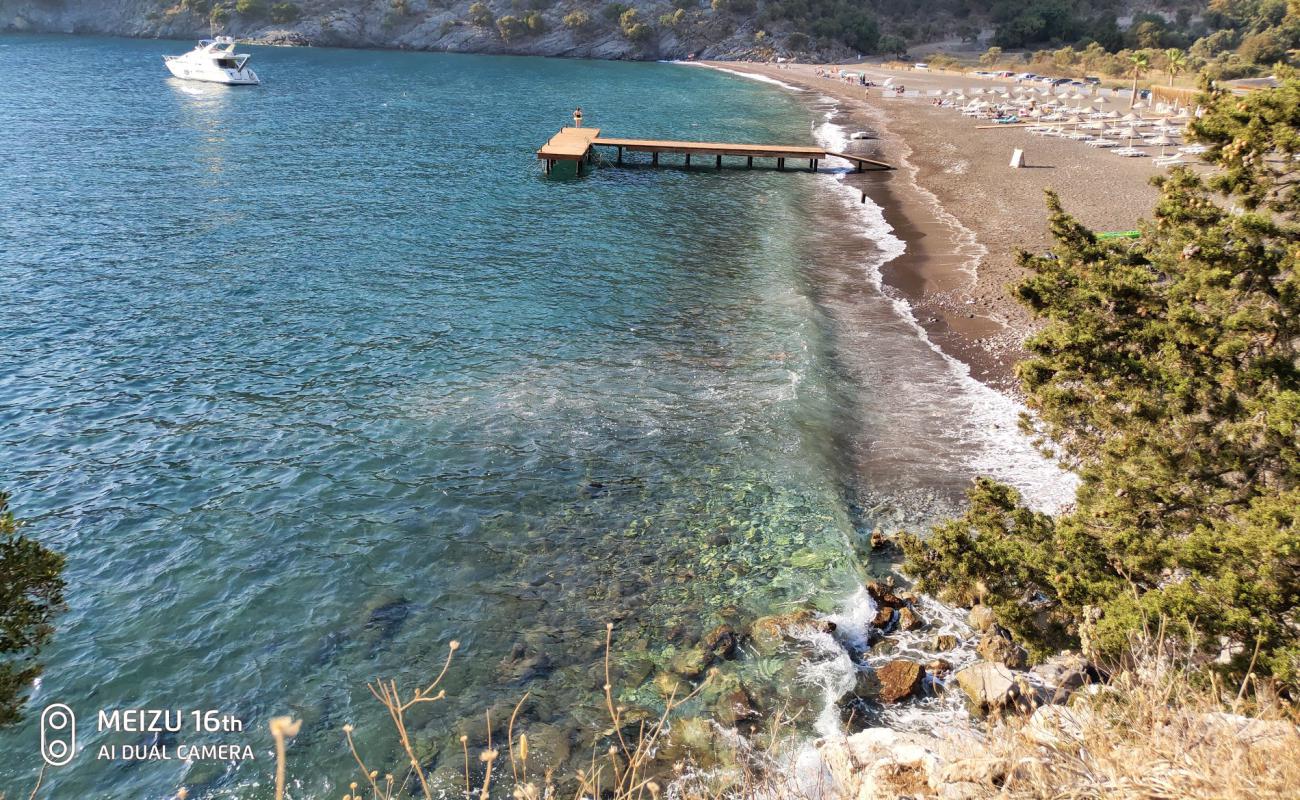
x,y
574,28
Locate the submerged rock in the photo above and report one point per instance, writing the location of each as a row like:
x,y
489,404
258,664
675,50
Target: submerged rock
x,y
721,642
770,632
899,679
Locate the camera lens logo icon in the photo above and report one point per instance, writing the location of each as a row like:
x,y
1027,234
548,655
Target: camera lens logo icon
x,y
58,734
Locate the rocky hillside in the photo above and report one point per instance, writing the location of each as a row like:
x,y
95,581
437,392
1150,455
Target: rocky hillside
x,y
635,29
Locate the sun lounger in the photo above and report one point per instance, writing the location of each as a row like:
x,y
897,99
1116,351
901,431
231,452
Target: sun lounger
x,y
1130,152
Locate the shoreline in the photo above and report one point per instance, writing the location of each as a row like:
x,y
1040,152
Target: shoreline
x,y
962,211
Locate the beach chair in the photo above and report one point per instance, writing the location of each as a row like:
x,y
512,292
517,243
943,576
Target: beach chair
x,y
1130,152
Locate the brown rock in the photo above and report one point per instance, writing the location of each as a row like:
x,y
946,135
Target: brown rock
x,y
944,642
899,679
939,666
995,646
909,620
884,618
768,633
883,595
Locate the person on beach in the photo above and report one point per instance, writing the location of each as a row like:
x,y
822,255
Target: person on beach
x,y
577,117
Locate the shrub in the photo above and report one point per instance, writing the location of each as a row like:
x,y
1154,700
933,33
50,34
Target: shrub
x,y
511,27
613,11
480,15
535,22
197,6
734,6
250,8
633,28
577,20
285,12
31,594
673,19
1166,375
219,16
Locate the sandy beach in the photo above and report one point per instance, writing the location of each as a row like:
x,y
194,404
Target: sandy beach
x,y
963,211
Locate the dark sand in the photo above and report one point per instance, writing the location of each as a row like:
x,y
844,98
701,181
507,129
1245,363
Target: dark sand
x,y
963,211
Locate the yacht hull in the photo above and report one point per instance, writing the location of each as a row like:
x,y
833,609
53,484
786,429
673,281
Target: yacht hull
x,y
189,71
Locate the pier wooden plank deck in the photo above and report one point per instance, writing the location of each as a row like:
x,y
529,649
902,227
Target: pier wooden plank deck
x,y
577,144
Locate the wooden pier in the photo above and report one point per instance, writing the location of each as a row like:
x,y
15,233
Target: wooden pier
x,y
578,145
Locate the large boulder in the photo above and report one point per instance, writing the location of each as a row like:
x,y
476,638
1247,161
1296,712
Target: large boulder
x,y
989,685
996,645
899,679
884,764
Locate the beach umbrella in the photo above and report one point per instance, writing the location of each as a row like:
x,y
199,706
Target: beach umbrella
x,y
1100,99
1112,114
1129,117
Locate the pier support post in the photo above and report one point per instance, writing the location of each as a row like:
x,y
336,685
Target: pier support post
x,y
718,165
859,166
750,165
620,154
688,160
812,165
780,165
654,159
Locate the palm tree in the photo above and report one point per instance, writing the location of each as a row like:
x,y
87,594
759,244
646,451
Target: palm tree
x,y
1140,61
1175,62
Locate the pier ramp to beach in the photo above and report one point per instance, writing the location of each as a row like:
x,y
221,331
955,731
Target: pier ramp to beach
x,y
578,145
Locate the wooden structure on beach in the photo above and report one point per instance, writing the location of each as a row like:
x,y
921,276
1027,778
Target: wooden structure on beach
x,y
578,146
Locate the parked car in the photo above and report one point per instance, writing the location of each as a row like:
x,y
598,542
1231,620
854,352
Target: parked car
x,y
1095,81
1006,74
1026,76
1061,81
920,65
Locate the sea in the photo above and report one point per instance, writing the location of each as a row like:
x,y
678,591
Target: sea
x,y
312,379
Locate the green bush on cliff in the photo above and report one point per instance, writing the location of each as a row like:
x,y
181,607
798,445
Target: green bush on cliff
x,y
284,13
251,8
577,20
1167,375
480,15
31,594
633,28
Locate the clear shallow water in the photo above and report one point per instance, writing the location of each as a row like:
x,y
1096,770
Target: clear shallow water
x,y
310,379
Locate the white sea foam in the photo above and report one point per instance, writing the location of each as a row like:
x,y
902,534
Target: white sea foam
x,y
748,75
991,427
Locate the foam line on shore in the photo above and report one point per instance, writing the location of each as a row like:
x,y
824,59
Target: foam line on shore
x,y
1002,450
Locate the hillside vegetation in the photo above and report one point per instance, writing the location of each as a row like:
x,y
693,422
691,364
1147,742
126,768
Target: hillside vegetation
x,y
1233,37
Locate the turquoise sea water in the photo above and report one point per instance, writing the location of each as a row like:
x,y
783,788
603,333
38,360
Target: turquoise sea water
x,y
312,378
309,379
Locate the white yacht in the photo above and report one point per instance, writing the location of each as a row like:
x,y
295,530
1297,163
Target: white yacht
x,y
214,60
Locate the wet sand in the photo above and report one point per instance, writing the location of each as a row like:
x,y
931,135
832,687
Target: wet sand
x,y
963,211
